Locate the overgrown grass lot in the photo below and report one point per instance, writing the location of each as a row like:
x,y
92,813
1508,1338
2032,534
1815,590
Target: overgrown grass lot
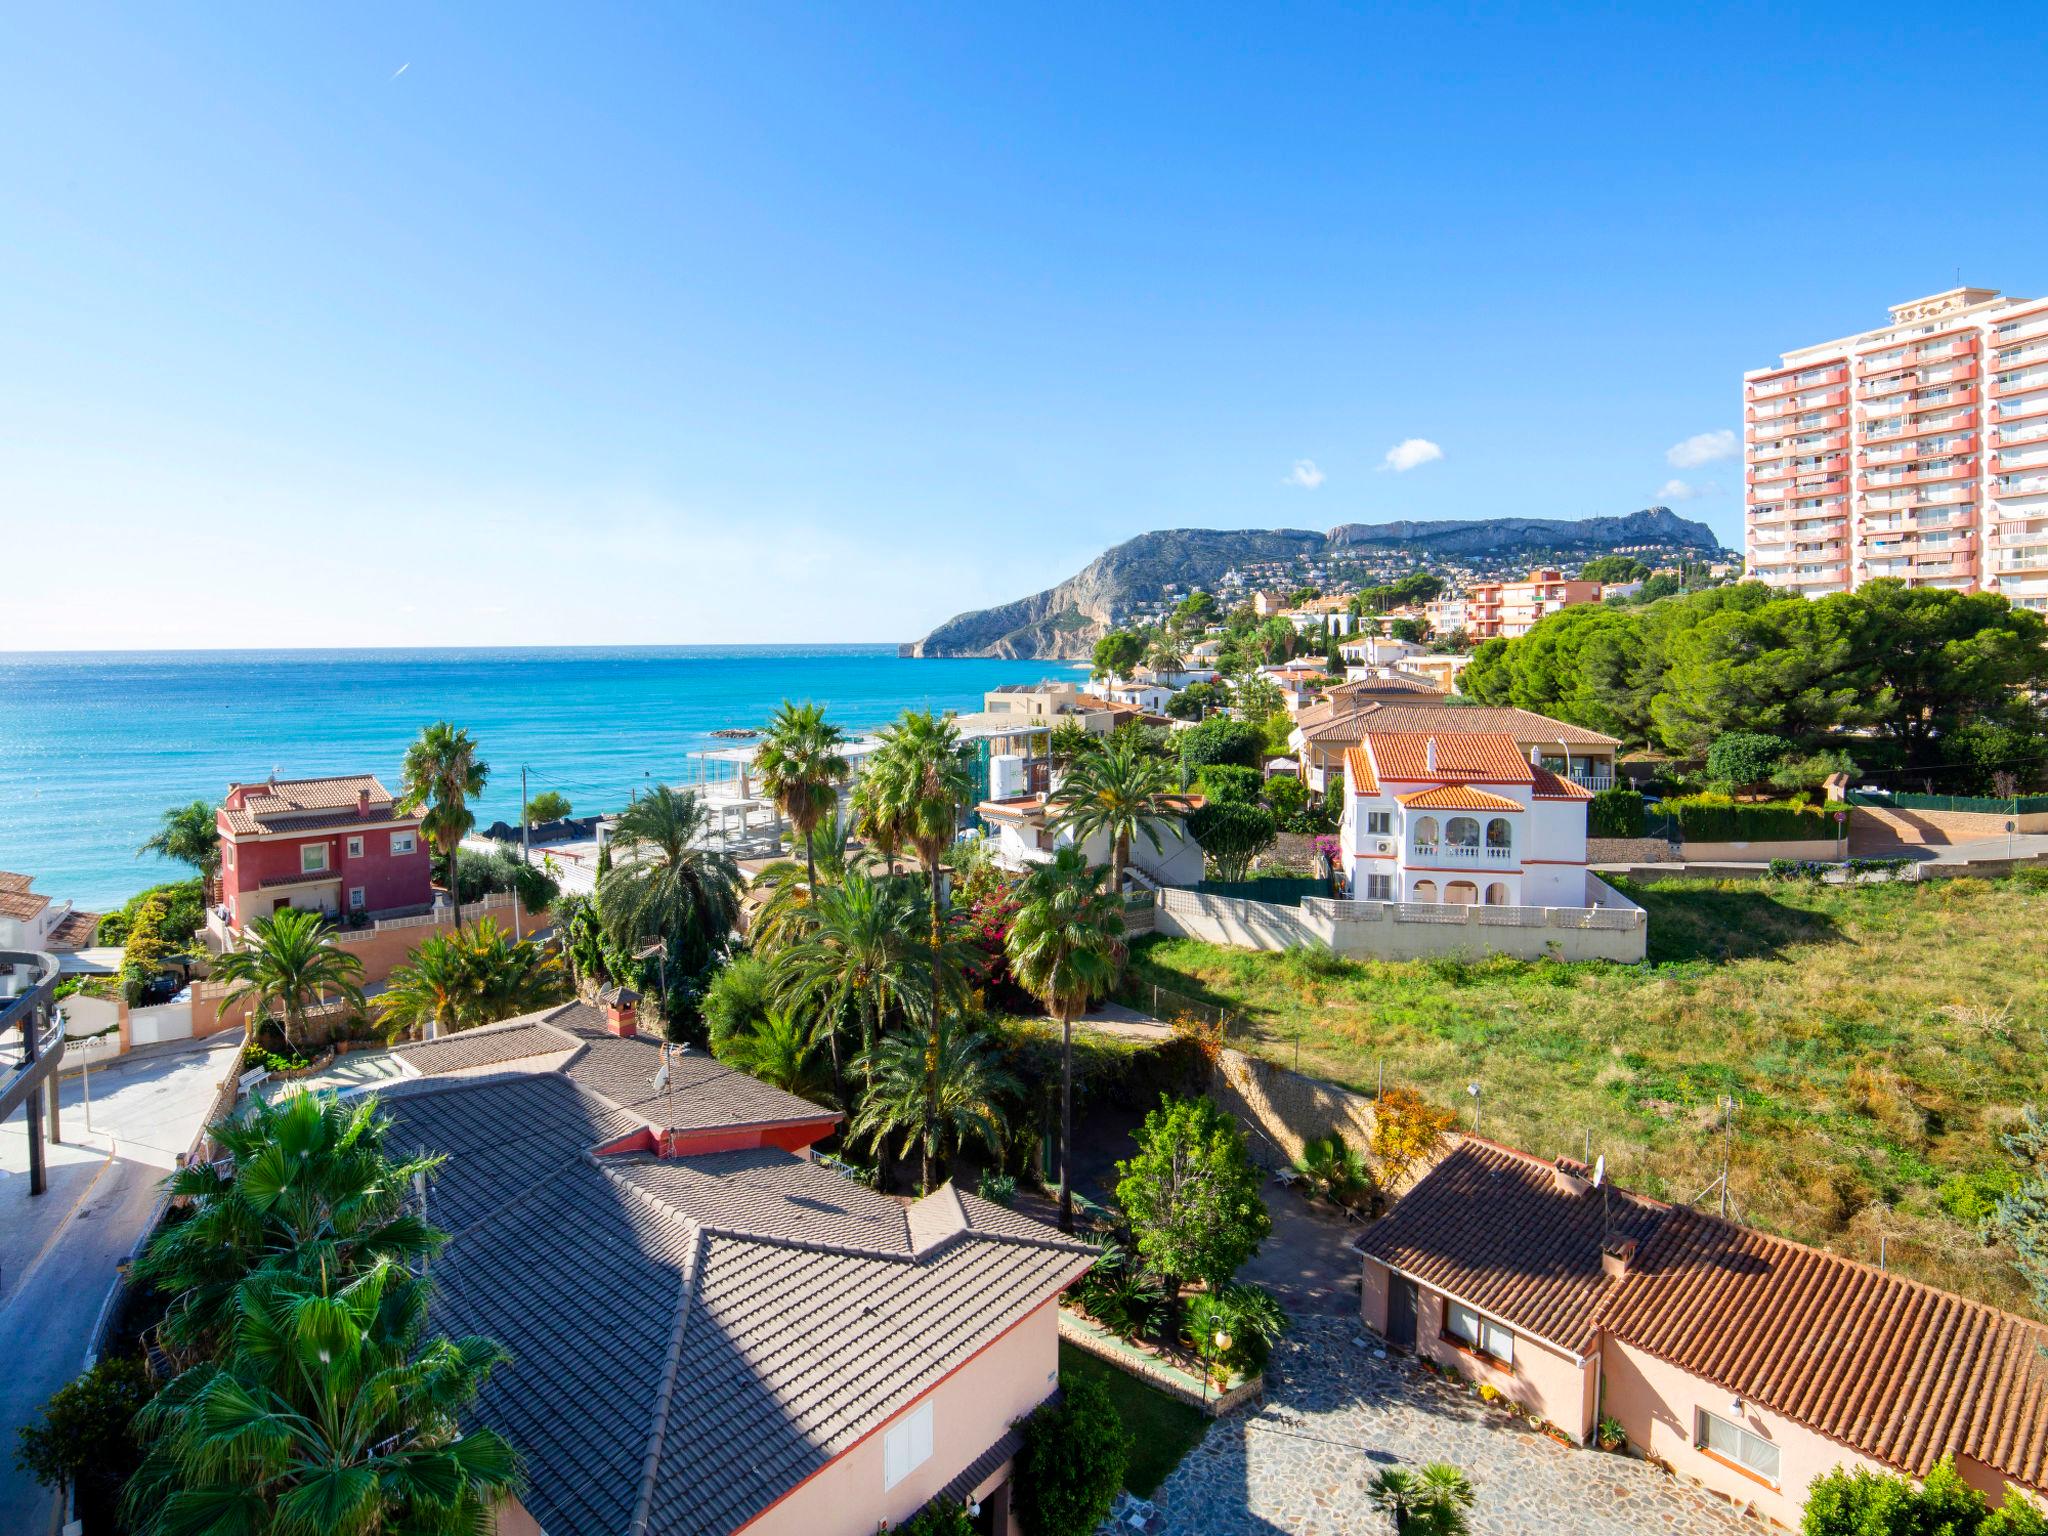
x,y
1875,1039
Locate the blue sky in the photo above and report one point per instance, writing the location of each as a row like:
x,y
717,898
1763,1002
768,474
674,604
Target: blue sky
x,y
550,324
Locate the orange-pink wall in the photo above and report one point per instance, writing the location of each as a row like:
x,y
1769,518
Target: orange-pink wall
x,y
970,1411
1544,1380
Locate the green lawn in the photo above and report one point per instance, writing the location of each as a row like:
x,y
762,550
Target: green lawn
x,y
1876,1040
1163,1429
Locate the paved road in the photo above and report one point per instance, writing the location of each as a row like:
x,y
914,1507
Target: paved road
x,y
58,1253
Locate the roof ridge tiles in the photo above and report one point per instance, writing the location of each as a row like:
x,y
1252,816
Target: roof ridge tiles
x,y
664,1396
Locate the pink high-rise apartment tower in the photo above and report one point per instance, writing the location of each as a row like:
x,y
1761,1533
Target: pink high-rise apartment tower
x,y
1918,450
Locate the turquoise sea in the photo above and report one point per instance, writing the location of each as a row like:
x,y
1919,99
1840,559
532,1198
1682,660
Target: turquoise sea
x,y
93,746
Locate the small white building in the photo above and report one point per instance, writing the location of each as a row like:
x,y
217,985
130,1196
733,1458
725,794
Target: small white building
x,y
1024,831
1460,819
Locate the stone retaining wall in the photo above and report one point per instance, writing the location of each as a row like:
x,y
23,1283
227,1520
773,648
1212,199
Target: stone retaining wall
x,y
1286,1110
1628,850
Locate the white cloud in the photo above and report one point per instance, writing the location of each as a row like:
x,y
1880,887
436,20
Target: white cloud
x,y
1410,452
1701,448
1305,474
1675,489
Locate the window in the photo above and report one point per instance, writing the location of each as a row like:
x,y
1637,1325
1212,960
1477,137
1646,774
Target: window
x,y
1500,833
1496,895
355,847
401,842
355,898
1378,823
1460,893
312,858
1425,834
1379,887
227,855
1480,1334
1462,832
906,1445
1425,892
1732,1443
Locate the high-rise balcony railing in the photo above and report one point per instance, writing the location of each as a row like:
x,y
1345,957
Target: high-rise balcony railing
x,y
1932,351
2007,383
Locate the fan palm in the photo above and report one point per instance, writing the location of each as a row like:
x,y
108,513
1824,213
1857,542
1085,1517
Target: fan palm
x,y
781,1049
1122,791
935,1090
286,963
923,768
801,771
332,1412
457,980
188,834
307,1185
1442,1498
864,952
1066,944
665,885
440,775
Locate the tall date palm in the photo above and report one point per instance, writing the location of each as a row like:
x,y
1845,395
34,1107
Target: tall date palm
x,y
188,834
1066,943
935,1090
665,885
440,776
801,770
864,952
1120,790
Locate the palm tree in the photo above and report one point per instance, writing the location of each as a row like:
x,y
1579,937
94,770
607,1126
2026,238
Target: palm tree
x,y
1441,1500
801,770
1165,653
1121,790
874,817
1394,1491
925,783
935,1090
780,1049
440,774
188,834
455,981
285,964
863,952
307,1185
1066,945
333,1411
786,918
667,887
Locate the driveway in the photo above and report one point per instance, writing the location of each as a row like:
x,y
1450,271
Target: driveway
x,y
1334,1414
58,1251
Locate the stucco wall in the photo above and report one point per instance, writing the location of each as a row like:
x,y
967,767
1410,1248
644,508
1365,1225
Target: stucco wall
x,y
1363,930
1751,853
971,1409
388,881
1542,1379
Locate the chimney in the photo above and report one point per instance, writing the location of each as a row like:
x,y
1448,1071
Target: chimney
x,y
1429,755
1616,1255
621,1011
1571,1178
363,803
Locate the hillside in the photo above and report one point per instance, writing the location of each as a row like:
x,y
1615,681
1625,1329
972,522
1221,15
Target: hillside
x,y
1065,621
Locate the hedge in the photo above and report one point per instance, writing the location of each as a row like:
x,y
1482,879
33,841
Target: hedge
x,y
1717,819
1616,812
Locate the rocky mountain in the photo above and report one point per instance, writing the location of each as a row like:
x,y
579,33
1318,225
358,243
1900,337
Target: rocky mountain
x,y
1064,622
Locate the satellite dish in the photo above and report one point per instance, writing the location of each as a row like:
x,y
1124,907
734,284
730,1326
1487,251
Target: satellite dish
x,y
661,1077
1600,1171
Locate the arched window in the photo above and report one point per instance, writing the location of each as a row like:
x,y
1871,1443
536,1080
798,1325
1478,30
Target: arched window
x,y
1460,893
1462,832
1425,832
1500,833
1496,895
1425,892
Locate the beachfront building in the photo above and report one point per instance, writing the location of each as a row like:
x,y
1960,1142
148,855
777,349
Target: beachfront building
x,y
29,920
339,846
1462,819
791,1353
1324,733
1747,1362
1918,450
1024,831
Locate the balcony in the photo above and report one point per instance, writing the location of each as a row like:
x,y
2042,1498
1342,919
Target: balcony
x,y
2033,558
1460,853
1925,352
2007,384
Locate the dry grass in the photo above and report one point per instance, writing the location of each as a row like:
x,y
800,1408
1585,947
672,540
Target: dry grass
x,y
1875,1040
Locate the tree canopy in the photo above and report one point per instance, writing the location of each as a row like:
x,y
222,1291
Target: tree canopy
x,y
1191,1193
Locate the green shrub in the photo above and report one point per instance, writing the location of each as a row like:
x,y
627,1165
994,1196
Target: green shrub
x,y
183,914
1222,782
84,1438
1221,741
1073,1461
997,1188
1334,1168
1616,812
1712,818
738,999
1743,757
1120,1295
1865,1503
941,1517
1232,834
1286,796
1246,1315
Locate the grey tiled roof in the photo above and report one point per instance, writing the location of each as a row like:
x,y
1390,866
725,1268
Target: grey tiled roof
x,y
486,1046
802,1310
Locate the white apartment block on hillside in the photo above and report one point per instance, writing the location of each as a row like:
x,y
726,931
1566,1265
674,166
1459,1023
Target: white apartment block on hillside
x,y
1918,450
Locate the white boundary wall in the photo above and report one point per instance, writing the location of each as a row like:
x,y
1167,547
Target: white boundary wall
x,y
1613,929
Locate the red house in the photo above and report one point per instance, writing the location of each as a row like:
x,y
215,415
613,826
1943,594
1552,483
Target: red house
x,y
338,846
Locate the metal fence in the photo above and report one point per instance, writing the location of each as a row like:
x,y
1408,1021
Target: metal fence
x,y
1982,805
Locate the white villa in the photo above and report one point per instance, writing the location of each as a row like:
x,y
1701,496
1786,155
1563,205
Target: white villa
x,y
1023,831
1461,818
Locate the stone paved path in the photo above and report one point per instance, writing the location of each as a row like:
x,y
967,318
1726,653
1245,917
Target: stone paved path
x,y
1333,1415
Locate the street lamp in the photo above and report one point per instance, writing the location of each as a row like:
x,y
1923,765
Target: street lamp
x,y
1473,1089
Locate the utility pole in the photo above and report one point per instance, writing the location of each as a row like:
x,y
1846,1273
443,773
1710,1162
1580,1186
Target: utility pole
x,y
1727,1148
525,852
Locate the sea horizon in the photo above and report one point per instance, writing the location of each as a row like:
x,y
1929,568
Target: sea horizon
x,y
95,745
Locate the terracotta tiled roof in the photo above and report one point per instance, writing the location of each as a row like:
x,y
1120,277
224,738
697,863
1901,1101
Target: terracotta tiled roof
x,y
1496,1229
17,900
75,932
1896,1370
292,804
1364,688
1551,786
1491,759
1358,774
10,881
1341,719
1456,797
